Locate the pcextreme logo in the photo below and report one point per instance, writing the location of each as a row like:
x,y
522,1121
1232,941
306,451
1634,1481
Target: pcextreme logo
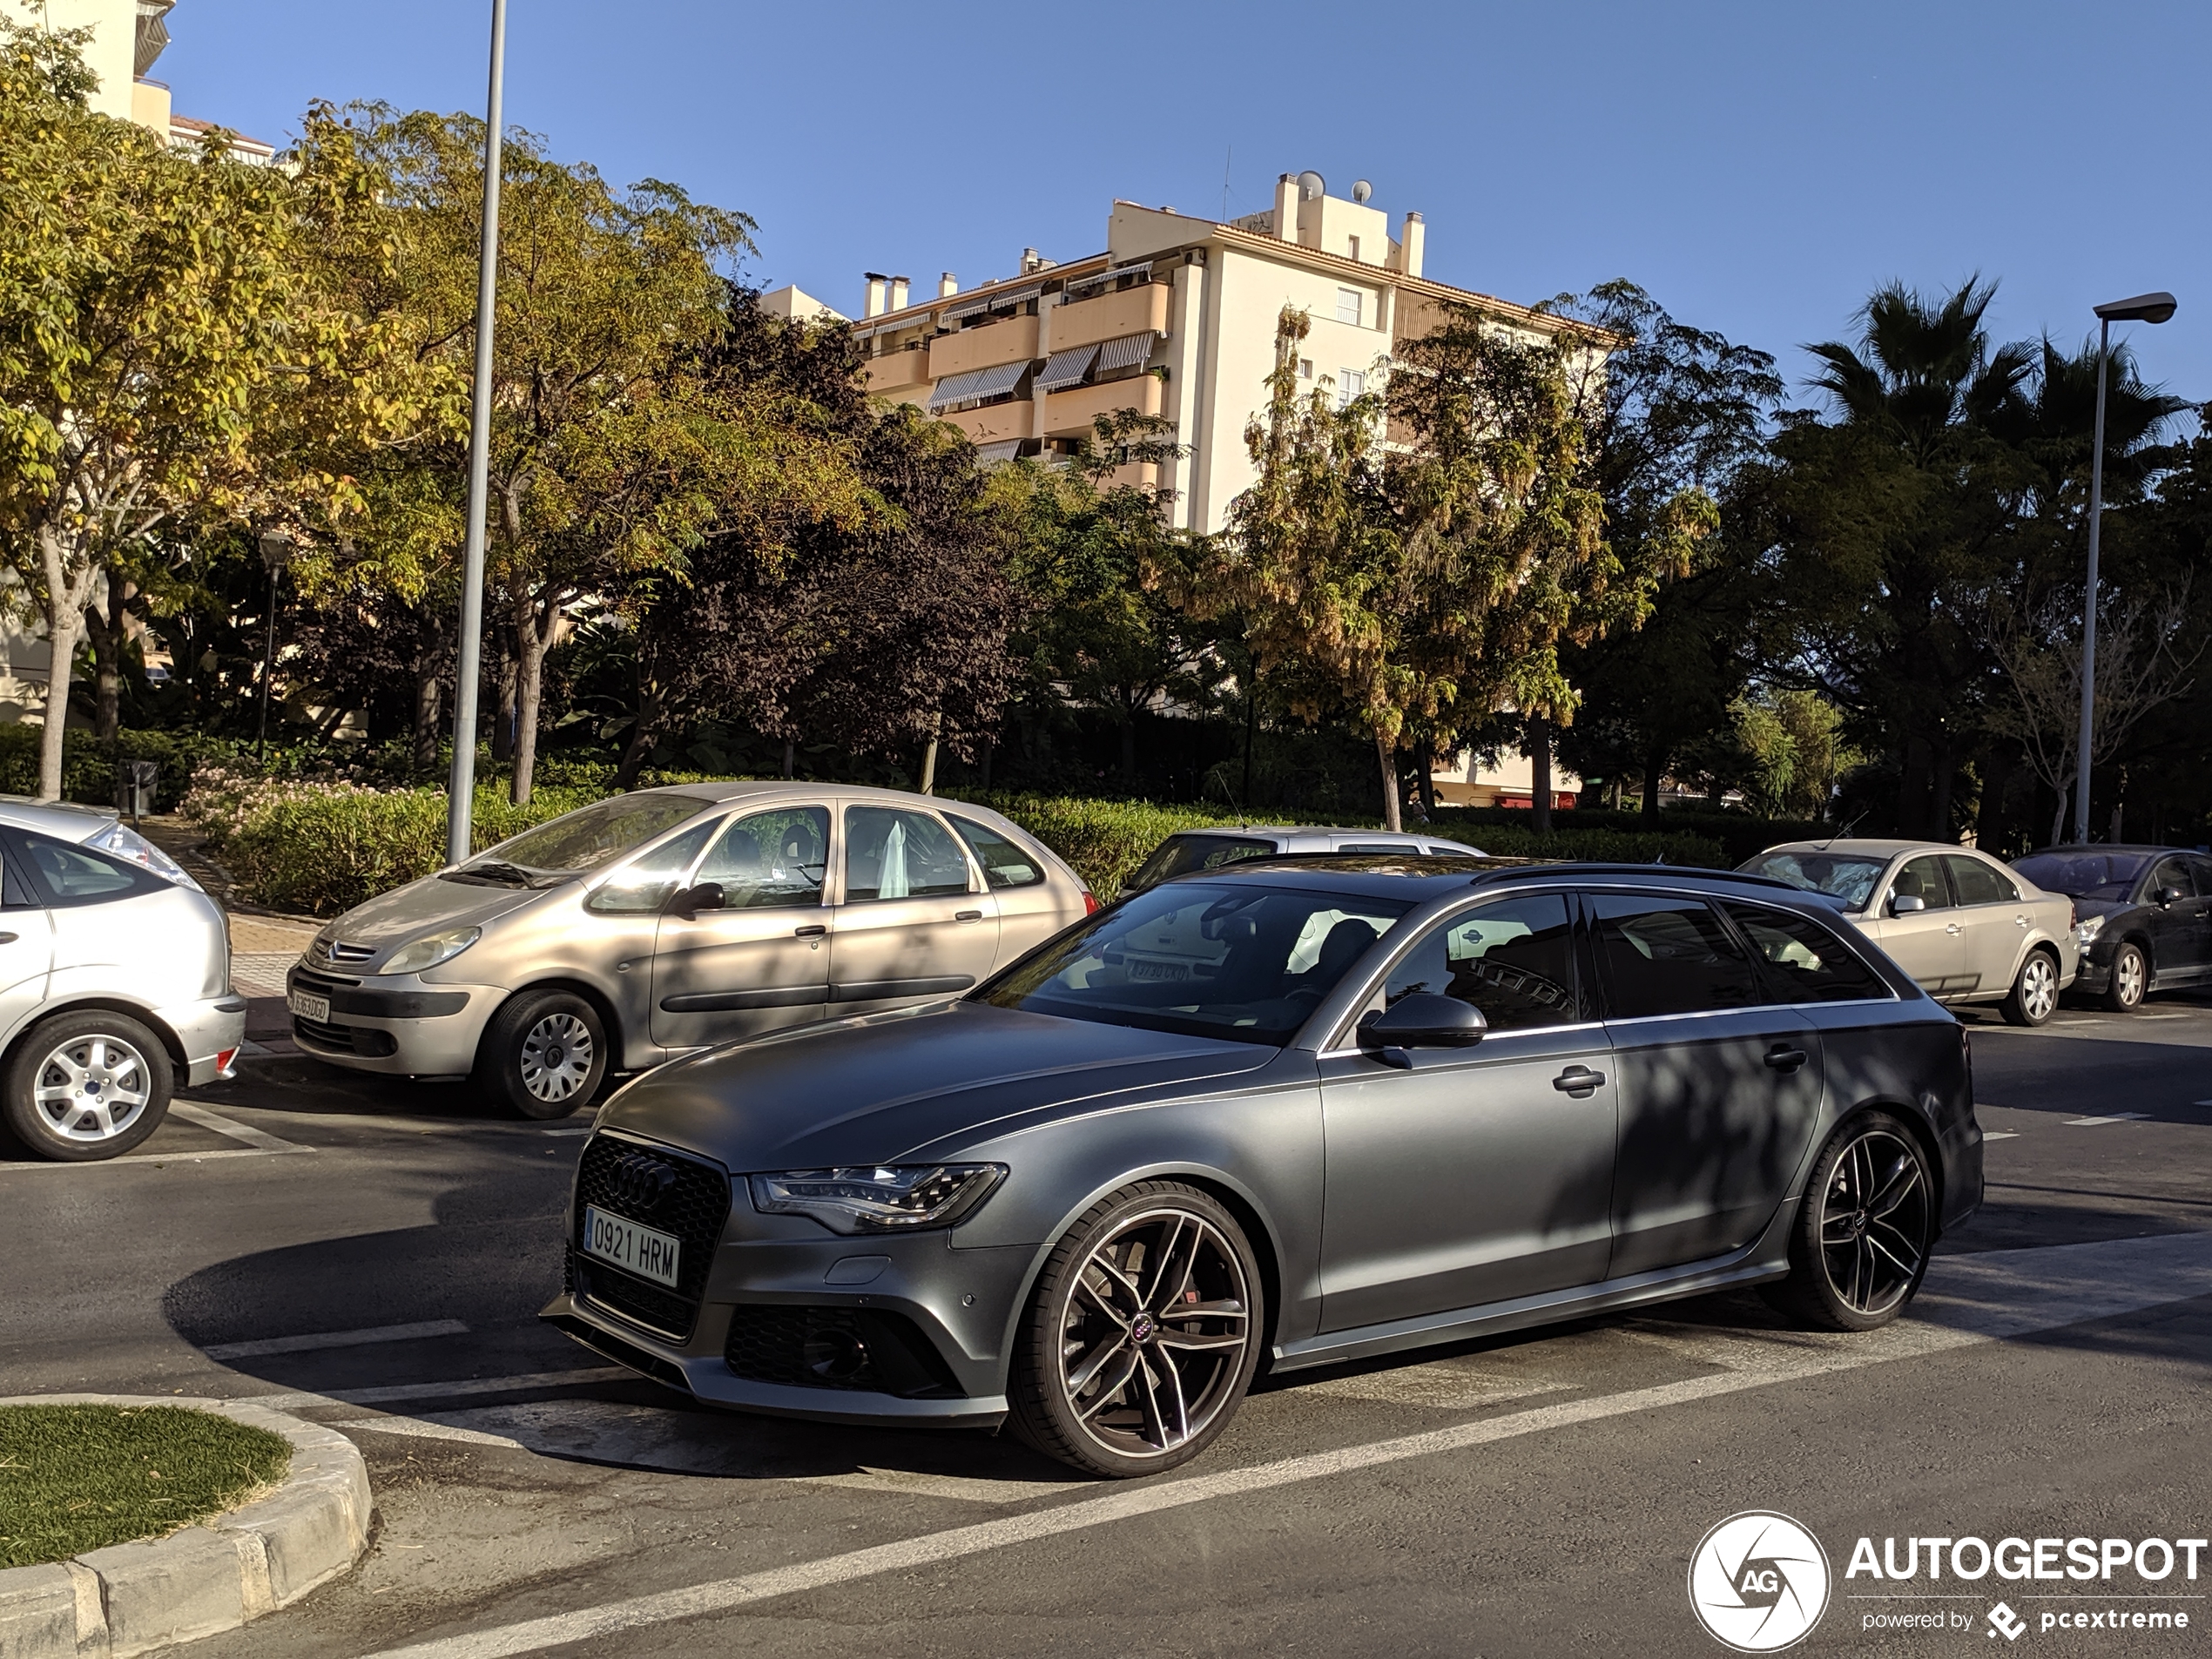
x,y
1758,1582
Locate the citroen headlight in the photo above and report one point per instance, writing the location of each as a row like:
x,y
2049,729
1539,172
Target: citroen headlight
x,y
2085,930
430,951
878,1199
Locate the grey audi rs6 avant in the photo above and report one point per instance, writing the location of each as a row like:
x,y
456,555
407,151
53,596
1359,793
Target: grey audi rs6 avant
x,y
1285,1114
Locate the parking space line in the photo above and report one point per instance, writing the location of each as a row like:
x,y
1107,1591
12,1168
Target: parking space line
x,y
192,1112
2000,1135
2115,1117
336,1339
458,1389
1993,1295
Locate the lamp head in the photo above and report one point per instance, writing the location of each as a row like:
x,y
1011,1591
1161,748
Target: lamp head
x,y
2144,307
276,550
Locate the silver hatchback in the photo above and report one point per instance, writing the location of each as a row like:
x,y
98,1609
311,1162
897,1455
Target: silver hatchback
x,y
662,922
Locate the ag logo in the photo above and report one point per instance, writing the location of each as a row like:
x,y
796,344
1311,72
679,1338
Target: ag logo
x,y
1758,1582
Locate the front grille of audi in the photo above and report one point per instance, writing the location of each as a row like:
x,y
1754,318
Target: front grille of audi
x,y
692,1208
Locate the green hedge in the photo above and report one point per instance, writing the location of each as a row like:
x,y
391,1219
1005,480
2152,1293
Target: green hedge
x,y
1598,845
1735,836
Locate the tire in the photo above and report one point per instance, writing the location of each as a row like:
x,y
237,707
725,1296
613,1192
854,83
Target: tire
x,y
2130,979
69,1073
544,1054
1860,1245
1102,1314
2035,997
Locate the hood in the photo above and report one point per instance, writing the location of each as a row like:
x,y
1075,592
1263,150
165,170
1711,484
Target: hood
x,y
877,1089
2086,908
427,905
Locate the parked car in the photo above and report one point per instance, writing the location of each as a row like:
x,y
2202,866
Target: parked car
x,y
2143,916
1188,851
655,923
1381,1108
115,982
1967,928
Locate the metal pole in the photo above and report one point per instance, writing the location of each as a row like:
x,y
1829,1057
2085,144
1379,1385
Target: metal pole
x,y
268,670
462,786
2089,609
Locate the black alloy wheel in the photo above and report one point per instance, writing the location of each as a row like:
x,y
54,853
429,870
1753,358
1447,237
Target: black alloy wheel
x,y
2130,979
1143,1333
1861,1242
544,1054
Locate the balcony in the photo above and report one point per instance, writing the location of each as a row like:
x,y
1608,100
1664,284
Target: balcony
x,y
1014,340
1133,311
1070,414
996,423
899,373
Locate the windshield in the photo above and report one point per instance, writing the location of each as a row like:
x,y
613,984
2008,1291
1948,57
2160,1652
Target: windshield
x,y
1247,964
1842,875
2084,875
1181,854
578,842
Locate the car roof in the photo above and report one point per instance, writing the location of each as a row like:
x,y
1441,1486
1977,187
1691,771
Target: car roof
x,y
723,790
65,820
1302,829
2109,846
1381,874
1871,847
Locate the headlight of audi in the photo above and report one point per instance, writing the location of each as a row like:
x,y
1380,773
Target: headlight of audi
x,y
430,951
2085,933
877,1199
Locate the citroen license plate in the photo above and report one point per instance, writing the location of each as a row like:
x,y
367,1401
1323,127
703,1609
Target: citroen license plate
x,y
638,1250
311,1007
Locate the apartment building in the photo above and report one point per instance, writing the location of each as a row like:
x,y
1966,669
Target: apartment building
x,y
1177,318
128,37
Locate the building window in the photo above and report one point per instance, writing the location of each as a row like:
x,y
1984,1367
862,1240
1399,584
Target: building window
x,y
1351,384
1355,245
1306,369
1348,306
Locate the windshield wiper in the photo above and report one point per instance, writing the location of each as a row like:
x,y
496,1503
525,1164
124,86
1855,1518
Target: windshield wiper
x,y
492,872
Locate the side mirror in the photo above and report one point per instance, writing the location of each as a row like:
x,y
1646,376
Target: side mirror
x,y
687,902
1906,904
1421,1022
2170,895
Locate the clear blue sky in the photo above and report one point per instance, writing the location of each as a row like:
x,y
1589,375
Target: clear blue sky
x,y
1759,167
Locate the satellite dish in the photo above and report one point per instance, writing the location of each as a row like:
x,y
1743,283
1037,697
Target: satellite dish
x,y
1311,186
1361,191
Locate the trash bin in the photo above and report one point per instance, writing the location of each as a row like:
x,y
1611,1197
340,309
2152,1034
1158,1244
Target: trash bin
x,y
137,783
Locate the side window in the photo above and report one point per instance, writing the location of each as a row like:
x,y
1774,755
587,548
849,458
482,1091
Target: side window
x,y
1513,959
14,891
1668,956
1979,883
1005,865
643,886
2171,872
77,875
1922,878
893,854
2202,870
768,860
1803,956
1379,849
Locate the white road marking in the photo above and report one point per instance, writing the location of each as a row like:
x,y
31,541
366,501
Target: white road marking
x,y
259,1143
2000,1135
581,1129
459,1389
1443,1386
2115,1117
336,1339
192,1112
1972,1300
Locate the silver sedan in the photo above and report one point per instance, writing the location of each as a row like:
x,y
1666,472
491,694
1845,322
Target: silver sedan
x,y
665,922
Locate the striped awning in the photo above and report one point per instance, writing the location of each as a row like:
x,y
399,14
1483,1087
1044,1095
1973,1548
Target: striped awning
x,y
972,308
1085,287
1065,368
987,453
1129,352
976,383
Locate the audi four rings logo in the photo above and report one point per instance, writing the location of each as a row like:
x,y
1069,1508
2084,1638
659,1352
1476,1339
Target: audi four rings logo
x,y
1758,1582
638,1182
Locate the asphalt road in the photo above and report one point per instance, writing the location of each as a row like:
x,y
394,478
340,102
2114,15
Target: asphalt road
x,y
1536,1495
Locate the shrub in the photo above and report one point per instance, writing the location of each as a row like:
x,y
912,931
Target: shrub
x,y
1598,845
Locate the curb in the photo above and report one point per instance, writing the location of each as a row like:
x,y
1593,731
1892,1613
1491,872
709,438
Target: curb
x,y
129,1599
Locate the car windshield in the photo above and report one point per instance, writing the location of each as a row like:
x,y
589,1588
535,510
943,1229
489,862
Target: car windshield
x,y
1181,854
2084,875
1248,963
578,842
1847,876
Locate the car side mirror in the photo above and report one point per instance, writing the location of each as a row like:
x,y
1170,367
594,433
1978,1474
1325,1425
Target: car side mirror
x,y
1421,1021
687,902
2170,895
1906,904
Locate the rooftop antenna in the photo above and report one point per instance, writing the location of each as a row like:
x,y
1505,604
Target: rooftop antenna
x,y
1228,158
1841,834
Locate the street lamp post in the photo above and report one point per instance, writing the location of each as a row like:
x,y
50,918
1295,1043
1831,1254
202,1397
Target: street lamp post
x,y
2144,307
276,552
462,786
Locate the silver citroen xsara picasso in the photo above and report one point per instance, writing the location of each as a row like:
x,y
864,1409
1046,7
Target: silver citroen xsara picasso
x,y
664,921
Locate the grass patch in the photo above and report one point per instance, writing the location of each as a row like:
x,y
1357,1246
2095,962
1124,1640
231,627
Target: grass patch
x,y
74,1478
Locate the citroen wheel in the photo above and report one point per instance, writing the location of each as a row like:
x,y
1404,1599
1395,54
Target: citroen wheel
x,y
86,1086
2130,979
1863,1233
1142,1335
2034,996
544,1054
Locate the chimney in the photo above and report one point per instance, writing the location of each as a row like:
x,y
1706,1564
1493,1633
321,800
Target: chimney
x,y
876,281
1409,246
1029,260
1286,208
948,285
898,293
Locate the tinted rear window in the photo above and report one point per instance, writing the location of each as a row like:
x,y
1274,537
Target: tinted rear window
x,y
1806,958
1181,854
2084,875
1668,956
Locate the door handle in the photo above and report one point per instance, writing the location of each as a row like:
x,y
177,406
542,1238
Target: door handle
x,y
2019,921
812,930
1579,1081
967,915
1785,1059
1953,928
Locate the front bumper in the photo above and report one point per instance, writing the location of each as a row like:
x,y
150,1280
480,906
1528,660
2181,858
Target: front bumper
x,y
2094,977
398,1026
212,1030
